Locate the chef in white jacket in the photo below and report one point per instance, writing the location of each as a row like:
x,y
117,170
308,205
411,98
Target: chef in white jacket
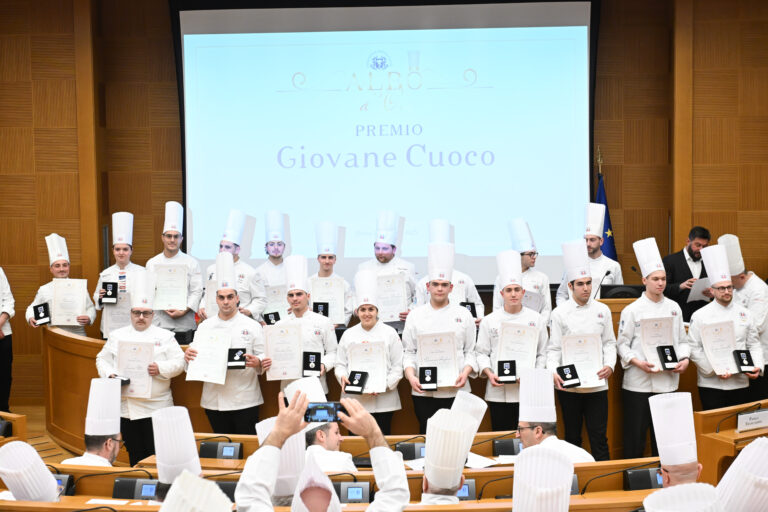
x,y
167,362
102,425
503,398
721,384
7,311
58,258
123,272
180,321
371,332
439,316
272,272
250,288
232,407
327,238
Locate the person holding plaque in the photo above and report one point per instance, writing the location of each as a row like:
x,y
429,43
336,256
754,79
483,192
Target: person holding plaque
x,y
72,302
272,272
509,340
717,332
178,279
464,290
145,358
604,270
6,344
651,321
114,283
326,285
581,334
535,283
439,342
250,288
232,407
372,347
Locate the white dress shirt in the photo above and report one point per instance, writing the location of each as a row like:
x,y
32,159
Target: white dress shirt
x,y
241,388
317,335
170,363
349,296
570,318
464,290
124,279
754,296
487,349
575,453
6,302
250,288
194,291
599,268
533,282
694,265
629,344
45,294
331,461
395,266
88,459
381,332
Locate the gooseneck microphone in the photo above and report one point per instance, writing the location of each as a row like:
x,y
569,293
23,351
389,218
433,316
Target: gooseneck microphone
x,y
601,282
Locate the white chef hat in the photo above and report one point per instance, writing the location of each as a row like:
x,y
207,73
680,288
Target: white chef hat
x,y
296,273
744,487
521,236
716,263
327,237
291,456
57,248
310,386
175,446
672,415
235,225
225,272
122,228
509,267
439,231
543,479
537,396
313,476
190,493
103,416
387,227
143,290
648,256
576,260
274,227
449,438
470,404
24,473
440,262
684,497
174,217
733,252
366,284
595,219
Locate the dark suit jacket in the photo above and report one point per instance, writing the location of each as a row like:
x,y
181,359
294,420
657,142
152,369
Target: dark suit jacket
x,y
678,272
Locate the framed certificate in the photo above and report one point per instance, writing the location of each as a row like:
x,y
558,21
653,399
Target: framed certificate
x,y
585,352
719,341
69,297
655,332
439,350
392,296
170,287
283,346
519,343
330,290
370,357
210,365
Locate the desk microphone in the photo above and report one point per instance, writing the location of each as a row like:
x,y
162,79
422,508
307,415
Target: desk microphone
x,y
507,477
755,406
392,445
601,282
511,433
634,269
584,489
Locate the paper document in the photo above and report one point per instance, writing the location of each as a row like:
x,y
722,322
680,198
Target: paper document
x,y
69,299
210,364
370,357
133,360
392,296
519,343
117,315
283,345
170,287
585,351
719,341
697,290
475,461
439,350
655,332
330,290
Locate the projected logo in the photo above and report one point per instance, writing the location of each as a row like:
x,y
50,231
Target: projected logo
x,y
379,61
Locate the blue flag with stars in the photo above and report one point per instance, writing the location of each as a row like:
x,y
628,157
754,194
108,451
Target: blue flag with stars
x,y
609,245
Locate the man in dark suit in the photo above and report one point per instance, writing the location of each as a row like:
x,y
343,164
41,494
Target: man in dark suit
x,y
684,268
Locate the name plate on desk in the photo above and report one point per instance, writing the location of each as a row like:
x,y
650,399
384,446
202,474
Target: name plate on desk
x,y
747,421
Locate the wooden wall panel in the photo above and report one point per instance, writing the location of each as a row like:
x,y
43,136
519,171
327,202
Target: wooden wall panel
x,y
16,151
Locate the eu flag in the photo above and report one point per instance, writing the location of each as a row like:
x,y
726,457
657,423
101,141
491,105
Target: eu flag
x,y
609,246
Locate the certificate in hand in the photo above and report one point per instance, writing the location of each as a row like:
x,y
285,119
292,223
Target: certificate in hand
x,y
655,332
330,290
519,343
533,300
697,290
170,287
69,297
392,296
133,360
277,300
211,308
117,315
210,364
586,353
439,350
370,357
283,346
719,341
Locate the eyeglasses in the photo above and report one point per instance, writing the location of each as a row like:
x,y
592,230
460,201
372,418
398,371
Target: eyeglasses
x,y
145,314
532,254
119,442
519,427
723,288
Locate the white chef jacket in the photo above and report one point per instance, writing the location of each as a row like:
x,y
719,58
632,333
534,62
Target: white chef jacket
x,y
428,320
45,294
598,267
250,287
194,292
241,388
534,282
272,276
754,296
488,338
257,483
570,318
438,499
170,363
317,335
381,332
123,278
349,296
629,344
575,453
88,459
6,302
394,266
331,461
746,338
464,290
